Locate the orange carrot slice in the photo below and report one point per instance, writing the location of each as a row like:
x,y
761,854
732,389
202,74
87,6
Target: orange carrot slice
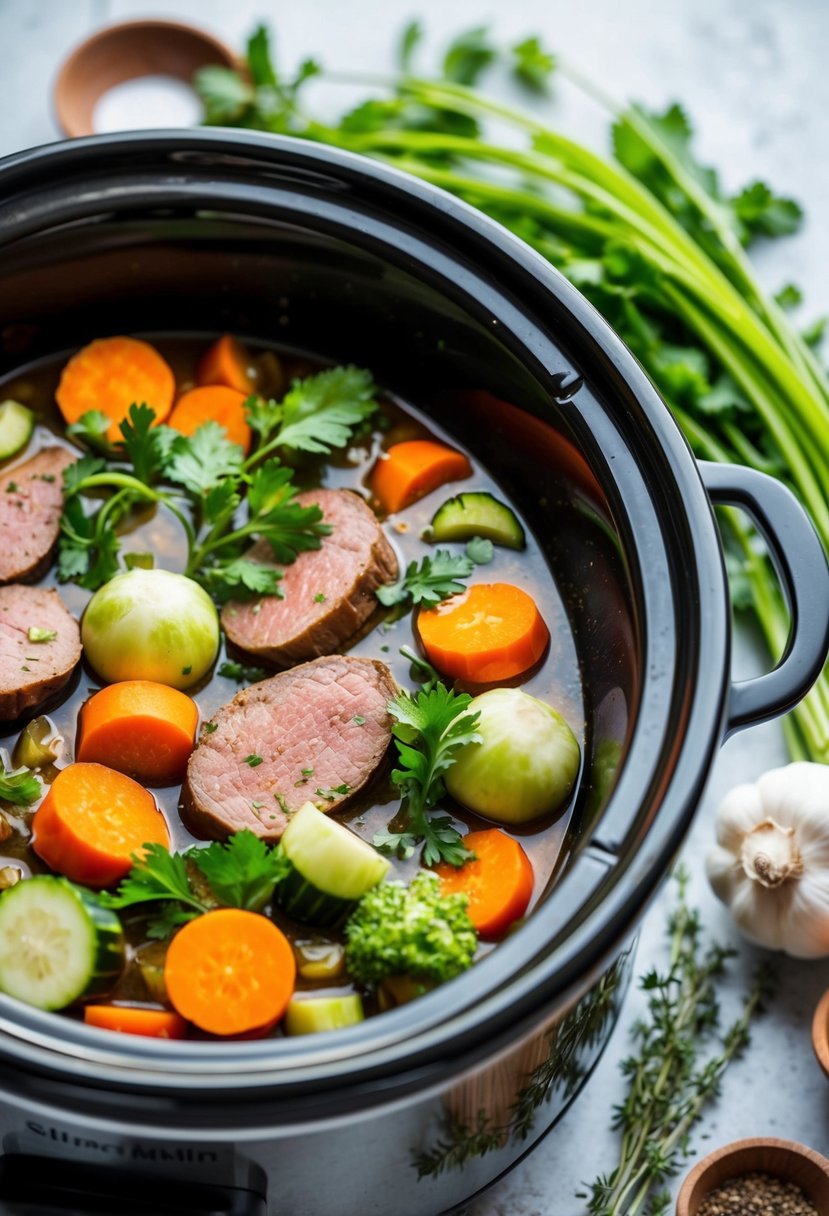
x,y
135,1019
91,822
230,971
110,375
215,403
491,632
499,882
228,363
411,469
141,728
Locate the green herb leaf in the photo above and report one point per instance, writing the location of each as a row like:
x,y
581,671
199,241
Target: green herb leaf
x,y
242,873
434,580
321,411
157,874
253,760
147,447
276,516
410,39
91,429
199,462
480,550
226,96
260,64
240,579
35,634
231,670
761,213
468,56
532,65
430,727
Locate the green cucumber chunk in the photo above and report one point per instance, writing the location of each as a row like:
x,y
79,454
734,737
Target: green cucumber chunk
x,y
477,513
331,868
16,426
57,943
310,1015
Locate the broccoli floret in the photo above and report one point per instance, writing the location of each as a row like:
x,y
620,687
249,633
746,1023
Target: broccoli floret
x,y
414,930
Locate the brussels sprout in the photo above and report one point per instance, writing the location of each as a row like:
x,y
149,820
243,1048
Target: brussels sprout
x,y
151,625
526,764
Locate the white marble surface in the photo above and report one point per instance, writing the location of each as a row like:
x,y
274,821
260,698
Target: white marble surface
x,y
753,73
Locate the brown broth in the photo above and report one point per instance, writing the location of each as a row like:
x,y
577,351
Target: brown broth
x,y
556,679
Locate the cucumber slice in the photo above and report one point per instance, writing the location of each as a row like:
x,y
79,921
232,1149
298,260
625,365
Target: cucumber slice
x,y
57,943
16,426
477,513
310,1015
331,868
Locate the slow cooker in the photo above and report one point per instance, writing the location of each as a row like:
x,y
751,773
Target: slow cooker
x,y
325,252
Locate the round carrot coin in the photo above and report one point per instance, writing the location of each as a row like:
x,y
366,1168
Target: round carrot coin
x,y
92,821
491,632
499,882
409,470
110,375
144,729
213,403
230,971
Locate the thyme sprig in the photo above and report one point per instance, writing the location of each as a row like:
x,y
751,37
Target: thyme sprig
x,y
671,1077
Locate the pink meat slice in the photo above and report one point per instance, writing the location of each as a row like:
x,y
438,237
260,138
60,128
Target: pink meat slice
x,y
328,593
31,672
318,732
31,501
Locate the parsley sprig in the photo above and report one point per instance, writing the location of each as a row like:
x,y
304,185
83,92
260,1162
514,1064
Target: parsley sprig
x,y
427,584
223,501
429,728
240,874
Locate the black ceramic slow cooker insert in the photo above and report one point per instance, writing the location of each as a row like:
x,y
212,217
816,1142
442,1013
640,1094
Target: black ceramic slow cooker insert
x,y
328,253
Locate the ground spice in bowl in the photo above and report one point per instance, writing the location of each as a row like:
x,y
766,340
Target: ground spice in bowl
x,y
757,1195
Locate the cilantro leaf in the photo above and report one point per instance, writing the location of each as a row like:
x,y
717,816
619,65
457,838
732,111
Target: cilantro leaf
x,y
395,844
240,579
76,473
168,917
231,670
480,550
434,580
199,462
263,416
260,64
761,213
288,526
429,729
92,430
147,446
20,787
532,65
789,296
468,56
156,874
243,872
411,37
226,95
320,412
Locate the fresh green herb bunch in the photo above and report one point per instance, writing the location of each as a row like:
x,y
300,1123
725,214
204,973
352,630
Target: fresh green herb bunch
x,y
649,235
223,501
429,729
415,931
673,1072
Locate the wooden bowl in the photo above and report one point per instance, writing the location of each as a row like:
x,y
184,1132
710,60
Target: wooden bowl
x,y
820,1032
123,52
782,1159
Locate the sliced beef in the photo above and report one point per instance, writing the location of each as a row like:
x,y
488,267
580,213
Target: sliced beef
x,y
30,672
328,592
323,726
31,501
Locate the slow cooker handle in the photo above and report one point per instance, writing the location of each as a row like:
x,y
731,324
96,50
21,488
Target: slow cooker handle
x,y
797,553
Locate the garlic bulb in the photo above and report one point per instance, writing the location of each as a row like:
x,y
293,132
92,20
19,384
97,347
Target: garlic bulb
x,y
771,861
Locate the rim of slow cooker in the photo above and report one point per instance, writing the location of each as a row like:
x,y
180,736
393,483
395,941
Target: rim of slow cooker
x,y
551,957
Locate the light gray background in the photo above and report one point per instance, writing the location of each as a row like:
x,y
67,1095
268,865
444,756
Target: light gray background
x,y
754,74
